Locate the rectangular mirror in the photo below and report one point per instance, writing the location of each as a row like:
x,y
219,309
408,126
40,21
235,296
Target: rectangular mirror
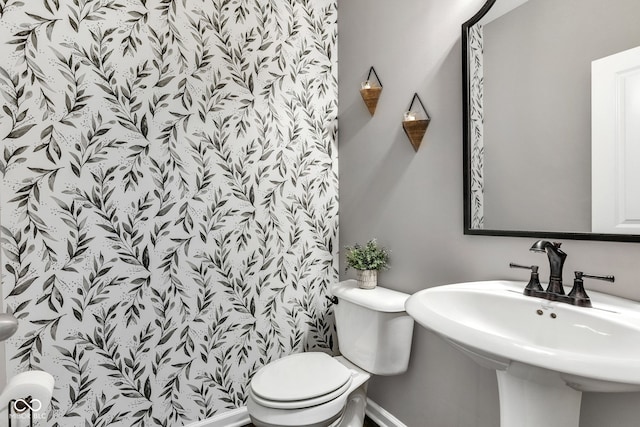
x,y
528,114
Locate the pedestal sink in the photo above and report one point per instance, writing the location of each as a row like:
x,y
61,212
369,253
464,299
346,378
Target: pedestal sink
x,y
545,353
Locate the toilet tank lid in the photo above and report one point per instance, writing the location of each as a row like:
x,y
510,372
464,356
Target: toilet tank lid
x,y
378,298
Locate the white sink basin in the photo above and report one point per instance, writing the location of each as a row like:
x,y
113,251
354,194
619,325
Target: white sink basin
x,y
532,342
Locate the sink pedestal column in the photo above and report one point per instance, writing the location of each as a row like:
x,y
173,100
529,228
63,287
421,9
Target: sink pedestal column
x,y
536,397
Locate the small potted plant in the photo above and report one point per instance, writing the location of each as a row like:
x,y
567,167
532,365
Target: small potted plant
x,y
367,260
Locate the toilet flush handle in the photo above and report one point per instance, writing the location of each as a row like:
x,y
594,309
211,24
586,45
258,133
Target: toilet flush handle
x,y
332,298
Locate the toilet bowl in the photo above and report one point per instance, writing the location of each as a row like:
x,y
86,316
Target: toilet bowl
x,y
292,403
316,390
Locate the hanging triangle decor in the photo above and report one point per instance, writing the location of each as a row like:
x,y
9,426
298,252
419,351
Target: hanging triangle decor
x,y
415,130
370,97
370,91
415,124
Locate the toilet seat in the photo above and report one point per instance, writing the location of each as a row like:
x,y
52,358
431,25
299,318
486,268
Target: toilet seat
x,y
299,404
300,381
325,414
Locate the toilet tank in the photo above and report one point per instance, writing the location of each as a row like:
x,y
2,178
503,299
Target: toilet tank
x,y
374,331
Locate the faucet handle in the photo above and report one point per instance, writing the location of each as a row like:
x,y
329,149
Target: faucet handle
x,y
533,288
578,296
580,274
525,267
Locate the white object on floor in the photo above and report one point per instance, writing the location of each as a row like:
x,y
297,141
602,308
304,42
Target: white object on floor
x,y
38,385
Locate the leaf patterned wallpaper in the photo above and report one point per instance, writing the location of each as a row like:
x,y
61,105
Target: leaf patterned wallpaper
x,y
169,201
476,107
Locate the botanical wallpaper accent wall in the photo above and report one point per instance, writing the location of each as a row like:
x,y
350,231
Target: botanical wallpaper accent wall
x,y
476,62
169,198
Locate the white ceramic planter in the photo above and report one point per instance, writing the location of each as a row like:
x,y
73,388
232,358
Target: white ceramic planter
x,y
367,279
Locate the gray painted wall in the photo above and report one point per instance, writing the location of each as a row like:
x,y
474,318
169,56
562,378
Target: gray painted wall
x,y
412,202
542,74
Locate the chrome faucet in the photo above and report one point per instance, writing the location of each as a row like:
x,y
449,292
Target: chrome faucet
x,y
556,262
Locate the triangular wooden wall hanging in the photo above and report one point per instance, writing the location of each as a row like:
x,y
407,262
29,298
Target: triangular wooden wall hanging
x,y
370,92
414,124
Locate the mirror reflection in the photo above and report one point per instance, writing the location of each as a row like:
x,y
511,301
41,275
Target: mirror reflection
x,y
530,110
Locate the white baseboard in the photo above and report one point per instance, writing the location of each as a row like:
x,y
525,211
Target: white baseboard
x,y
381,416
235,418
240,417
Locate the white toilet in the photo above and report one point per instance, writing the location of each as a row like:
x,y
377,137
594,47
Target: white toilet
x,y
316,390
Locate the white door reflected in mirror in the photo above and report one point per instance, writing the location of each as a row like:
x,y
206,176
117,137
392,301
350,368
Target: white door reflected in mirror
x,y
615,175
